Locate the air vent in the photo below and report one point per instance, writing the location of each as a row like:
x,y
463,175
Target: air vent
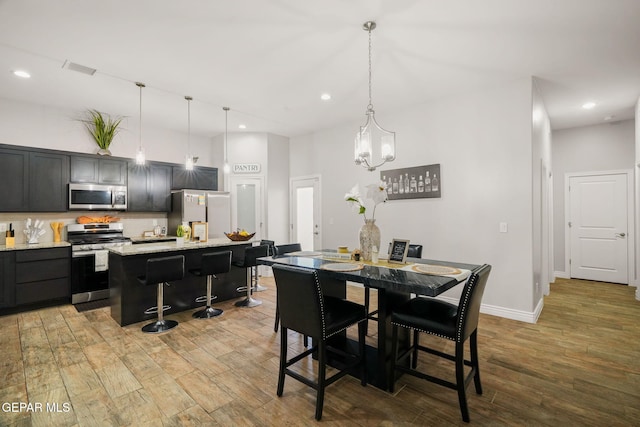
x,y
79,68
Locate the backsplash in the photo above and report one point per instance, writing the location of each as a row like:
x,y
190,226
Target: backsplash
x,y
135,224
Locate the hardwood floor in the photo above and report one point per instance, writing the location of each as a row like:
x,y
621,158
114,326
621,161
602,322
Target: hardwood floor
x,y
579,365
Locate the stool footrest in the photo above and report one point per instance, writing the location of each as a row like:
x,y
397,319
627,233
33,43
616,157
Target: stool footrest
x,y
154,310
203,298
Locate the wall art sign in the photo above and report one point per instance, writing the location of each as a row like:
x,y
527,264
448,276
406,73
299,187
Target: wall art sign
x,y
417,182
246,168
399,249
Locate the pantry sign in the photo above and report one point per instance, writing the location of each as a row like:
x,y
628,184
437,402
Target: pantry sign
x,y
246,168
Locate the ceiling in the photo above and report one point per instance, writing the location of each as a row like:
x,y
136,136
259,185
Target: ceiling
x,y
270,61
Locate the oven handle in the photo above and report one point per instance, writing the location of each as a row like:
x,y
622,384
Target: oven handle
x,y
79,254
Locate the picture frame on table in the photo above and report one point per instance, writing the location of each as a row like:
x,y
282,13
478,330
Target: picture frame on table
x,y
399,249
199,231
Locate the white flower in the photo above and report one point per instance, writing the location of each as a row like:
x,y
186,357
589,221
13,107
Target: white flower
x,y
375,192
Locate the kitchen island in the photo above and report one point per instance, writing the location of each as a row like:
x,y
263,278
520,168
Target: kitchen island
x,y
129,298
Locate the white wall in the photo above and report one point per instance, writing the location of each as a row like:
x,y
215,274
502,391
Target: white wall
x,y
482,140
32,125
278,188
585,149
637,216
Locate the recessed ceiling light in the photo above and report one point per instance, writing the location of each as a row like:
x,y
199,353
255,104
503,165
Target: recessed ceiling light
x,y
242,126
588,105
21,73
325,96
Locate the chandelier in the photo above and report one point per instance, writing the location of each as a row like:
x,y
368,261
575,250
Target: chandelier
x,y
372,134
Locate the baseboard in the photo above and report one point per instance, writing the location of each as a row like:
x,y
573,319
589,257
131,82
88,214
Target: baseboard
x,y
507,313
562,274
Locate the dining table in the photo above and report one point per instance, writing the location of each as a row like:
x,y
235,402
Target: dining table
x,y
395,283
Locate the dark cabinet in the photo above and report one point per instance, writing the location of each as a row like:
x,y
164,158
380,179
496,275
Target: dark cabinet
x,y
97,170
42,275
7,279
149,187
200,178
33,181
48,178
14,176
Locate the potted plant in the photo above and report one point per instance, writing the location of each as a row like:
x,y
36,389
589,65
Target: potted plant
x,y
103,129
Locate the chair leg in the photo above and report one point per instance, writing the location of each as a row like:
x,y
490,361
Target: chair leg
x,y
275,326
394,358
416,342
363,352
283,360
474,360
462,397
322,370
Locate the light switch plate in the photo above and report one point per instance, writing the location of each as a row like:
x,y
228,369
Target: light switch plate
x,y
3,227
504,228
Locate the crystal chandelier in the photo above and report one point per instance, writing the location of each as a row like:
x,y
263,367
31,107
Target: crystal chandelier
x,y
372,134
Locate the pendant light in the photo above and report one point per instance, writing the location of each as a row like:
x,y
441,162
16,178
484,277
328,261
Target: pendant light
x,y
140,157
372,134
227,168
189,160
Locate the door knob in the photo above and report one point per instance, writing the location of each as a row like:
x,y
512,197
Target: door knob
x,y
621,234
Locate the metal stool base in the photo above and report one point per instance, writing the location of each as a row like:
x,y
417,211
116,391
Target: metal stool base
x,y
260,288
159,326
248,302
207,313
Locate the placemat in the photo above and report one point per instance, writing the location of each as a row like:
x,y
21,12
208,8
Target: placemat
x,y
438,270
304,253
342,266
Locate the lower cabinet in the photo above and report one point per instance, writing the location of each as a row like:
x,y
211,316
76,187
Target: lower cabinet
x,y
42,275
7,280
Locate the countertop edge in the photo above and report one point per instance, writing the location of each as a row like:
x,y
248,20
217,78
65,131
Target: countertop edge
x,y
27,246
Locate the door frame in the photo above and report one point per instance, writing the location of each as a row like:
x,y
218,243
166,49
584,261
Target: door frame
x,y
317,197
233,180
631,262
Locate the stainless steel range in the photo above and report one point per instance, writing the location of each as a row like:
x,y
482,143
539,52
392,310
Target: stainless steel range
x,y
90,258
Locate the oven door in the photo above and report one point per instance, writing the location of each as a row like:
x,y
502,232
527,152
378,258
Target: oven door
x,y
89,276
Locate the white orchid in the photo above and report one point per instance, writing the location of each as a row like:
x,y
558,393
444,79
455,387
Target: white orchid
x,y
375,192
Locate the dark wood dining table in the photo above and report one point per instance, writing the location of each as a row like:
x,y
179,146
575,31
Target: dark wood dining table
x,y
394,285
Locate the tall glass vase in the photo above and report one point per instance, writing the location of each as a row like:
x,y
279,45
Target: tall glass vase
x,y
369,237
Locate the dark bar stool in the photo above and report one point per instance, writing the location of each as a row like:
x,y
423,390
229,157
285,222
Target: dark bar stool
x,y
211,264
161,271
272,250
251,254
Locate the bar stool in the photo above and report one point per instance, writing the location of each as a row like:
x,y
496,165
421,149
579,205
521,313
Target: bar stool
x,y
211,264
251,254
272,250
161,271
282,250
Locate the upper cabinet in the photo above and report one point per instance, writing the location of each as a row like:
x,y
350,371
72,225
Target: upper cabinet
x,y
149,187
200,178
98,170
33,181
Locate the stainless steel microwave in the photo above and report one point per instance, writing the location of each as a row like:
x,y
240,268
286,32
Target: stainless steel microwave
x,y
96,197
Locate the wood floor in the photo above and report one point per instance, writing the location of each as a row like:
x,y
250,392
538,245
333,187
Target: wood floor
x,y
579,365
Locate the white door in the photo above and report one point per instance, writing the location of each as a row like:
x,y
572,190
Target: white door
x,y
246,205
598,227
305,212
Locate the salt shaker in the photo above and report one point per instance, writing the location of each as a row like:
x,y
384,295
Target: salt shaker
x,y
374,254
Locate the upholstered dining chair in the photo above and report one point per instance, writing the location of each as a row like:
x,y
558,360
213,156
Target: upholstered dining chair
x,y
448,321
304,309
414,251
281,250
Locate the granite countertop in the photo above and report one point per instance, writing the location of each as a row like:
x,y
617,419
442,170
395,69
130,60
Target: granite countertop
x,y
150,248
43,245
